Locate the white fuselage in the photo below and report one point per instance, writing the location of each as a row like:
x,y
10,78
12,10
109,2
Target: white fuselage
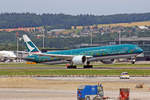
x,y
7,54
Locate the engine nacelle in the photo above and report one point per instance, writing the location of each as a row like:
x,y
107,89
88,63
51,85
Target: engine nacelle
x,y
79,60
108,61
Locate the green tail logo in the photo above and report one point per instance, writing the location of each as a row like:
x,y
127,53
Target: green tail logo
x,y
30,45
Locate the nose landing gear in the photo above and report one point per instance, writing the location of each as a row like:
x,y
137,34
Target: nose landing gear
x,y
133,60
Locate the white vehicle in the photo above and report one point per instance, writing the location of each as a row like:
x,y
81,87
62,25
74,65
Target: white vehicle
x,y
124,75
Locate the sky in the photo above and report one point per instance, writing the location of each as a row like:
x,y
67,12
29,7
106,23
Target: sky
x,y
76,7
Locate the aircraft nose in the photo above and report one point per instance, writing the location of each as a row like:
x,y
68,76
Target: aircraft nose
x,y
140,50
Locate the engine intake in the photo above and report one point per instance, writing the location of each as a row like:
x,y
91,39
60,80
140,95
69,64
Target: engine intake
x,y
79,60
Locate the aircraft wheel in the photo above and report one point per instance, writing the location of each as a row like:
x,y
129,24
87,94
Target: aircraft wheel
x,y
71,67
88,66
133,62
97,98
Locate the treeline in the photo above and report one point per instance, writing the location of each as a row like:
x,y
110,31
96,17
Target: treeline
x,y
8,41
14,20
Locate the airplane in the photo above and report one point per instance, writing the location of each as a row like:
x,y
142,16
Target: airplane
x,y
82,56
7,56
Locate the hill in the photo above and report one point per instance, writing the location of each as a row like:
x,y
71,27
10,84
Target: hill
x,y
14,20
144,23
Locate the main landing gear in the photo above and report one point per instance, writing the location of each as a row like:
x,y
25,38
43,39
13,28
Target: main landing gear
x,y
71,66
88,65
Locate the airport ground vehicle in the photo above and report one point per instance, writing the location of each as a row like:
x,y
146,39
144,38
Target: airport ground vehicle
x,y
90,92
124,75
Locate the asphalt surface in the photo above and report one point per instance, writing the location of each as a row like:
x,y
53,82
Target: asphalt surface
x,y
77,68
35,94
64,67
68,92
97,79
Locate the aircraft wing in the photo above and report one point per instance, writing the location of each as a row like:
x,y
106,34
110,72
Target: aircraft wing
x,y
56,62
66,57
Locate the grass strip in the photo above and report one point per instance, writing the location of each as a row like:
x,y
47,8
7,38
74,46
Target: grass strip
x,y
63,65
51,72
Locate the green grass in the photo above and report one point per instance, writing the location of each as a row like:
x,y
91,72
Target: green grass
x,y
53,72
63,65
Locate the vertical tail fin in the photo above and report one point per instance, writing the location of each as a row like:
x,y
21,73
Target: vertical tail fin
x,y
30,45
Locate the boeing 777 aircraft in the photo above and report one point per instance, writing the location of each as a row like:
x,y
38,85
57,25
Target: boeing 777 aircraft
x,y
82,56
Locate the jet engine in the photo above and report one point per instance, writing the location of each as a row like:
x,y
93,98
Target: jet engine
x,y
79,60
108,61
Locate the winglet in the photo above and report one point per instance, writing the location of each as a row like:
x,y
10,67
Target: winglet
x,y
31,47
